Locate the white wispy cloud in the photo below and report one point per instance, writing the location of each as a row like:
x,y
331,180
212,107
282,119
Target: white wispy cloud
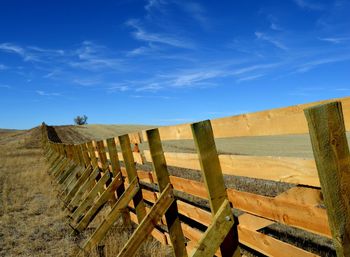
x,y
118,87
143,35
164,97
3,67
18,50
91,56
276,43
201,78
5,86
309,4
12,48
342,89
274,24
44,93
31,53
87,81
195,77
315,63
253,68
196,11
151,86
249,78
154,4
335,40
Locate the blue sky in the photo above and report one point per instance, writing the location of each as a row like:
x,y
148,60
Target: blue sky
x,y
167,61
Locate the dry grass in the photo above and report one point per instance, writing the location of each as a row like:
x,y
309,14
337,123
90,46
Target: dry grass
x,y
31,220
31,223
117,237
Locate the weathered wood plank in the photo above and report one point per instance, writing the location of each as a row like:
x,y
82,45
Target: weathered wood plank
x,y
171,215
298,211
103,198
92,155
160,236
306,217
132,174
83,190
265,123
112,155
112,216
148,223
214,180
216,232
268,245
102,154
78,184
79,212
282,169
331,151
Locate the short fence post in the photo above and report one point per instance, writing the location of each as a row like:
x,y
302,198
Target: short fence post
x,y
331,151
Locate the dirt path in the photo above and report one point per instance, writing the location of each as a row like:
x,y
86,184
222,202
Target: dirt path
x,y
31,220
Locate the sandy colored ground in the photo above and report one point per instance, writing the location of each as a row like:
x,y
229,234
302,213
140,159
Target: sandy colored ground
x,y
31,221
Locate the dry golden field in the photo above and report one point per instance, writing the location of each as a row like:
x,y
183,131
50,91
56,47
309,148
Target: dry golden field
x,y
32,222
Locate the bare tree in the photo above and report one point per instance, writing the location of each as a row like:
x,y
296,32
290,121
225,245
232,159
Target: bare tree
x,y
80,120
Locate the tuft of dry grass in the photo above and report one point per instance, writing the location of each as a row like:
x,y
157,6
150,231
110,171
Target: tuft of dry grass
x,y
118,236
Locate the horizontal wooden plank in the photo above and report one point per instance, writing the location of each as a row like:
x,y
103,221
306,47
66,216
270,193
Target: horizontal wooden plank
x,y
281,121
252,222
255,240
268,245
283,169
289,211
306,217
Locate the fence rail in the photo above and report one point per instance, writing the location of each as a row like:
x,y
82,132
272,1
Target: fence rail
x,y
174,209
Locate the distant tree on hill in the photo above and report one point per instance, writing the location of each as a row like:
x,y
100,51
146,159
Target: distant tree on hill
x,y
80,120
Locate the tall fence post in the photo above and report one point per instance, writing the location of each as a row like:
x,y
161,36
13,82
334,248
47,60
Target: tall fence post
x,y
171,215
214,181
130,167
331,151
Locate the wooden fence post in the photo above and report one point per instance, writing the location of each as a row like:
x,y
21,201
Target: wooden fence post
x,y
214,181
92,154
113,157
130,167
102,154
160,168
331,151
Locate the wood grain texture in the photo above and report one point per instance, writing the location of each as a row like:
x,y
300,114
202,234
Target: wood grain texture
x,y
214,181
171,215
264,123
331,151
216,233
112,216
130,167
282,169
148,223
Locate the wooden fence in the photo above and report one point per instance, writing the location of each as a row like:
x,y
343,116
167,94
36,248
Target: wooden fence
x,y
110,171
